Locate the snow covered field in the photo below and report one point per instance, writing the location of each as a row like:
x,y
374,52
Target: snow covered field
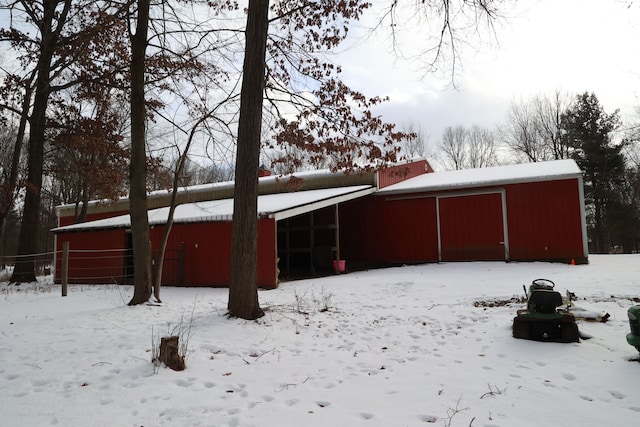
x,y
410,346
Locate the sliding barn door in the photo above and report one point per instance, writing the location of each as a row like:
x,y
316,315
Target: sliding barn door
x,y
472,227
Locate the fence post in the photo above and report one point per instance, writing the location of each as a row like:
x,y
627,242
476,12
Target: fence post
x,y
65,267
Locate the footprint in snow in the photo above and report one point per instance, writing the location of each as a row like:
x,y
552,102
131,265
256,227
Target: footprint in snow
x,y
428,418
366,415
569,377
617,395
39,383
292,402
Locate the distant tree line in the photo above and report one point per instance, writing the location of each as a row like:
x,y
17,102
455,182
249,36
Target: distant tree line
x,y
563,127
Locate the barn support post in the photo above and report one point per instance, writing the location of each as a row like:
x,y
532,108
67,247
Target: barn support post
x,y
65,267
583,220
505,225
312,243
337,221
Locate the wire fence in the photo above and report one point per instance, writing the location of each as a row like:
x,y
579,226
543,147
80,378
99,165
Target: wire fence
x,y
93,266
42,263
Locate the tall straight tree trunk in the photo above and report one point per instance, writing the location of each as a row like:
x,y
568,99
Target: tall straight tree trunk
x,y
28,238
138,165
9,188
243,287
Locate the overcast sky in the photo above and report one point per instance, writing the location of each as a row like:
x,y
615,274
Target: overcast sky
x,y
538,47
541,46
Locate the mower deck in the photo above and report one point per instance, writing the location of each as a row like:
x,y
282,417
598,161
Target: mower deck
x,y
545,327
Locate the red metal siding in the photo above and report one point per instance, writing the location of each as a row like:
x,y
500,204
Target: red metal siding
x,y
101,259
411,230
357,220
377,230
471,227
399,173
207,253
545,220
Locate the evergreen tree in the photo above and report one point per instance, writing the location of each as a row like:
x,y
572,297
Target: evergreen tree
x,y
589,130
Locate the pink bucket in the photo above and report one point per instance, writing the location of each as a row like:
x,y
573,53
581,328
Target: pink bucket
x,y
339,266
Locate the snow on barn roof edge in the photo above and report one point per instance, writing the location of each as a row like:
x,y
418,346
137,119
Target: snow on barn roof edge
x,y
277,206
284,205
485,177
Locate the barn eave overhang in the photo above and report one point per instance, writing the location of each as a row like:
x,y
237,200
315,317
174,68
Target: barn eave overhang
x,y
318,204
475,185
158,217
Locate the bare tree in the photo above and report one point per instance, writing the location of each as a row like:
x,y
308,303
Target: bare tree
x,y
169,49
549,111
54,44
481,148
521,134
463,148
138,164
454,147
9,170
533,127
445,28
327,120
243,295
50,17
215,172
418,145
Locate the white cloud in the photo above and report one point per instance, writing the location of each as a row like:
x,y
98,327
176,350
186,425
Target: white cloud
x,y
542,46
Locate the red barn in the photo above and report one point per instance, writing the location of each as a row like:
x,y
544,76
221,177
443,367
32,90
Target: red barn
x,y
405,215
523,212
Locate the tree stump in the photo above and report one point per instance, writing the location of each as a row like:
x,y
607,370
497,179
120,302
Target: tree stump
x,y
169,354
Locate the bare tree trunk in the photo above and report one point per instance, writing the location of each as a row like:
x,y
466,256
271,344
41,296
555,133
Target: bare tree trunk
x,y
28,240
9,186
138,165
82,215
159,264
243,288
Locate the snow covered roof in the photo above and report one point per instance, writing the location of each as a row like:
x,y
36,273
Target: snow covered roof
x,y
310,180
277,206
484,177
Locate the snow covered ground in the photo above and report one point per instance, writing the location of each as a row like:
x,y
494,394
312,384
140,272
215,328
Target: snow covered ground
x,y
410,346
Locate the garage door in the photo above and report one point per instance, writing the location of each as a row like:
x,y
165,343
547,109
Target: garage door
x,y
471,227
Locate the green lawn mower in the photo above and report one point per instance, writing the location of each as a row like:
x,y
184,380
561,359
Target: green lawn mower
x,y
542,320
633,338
